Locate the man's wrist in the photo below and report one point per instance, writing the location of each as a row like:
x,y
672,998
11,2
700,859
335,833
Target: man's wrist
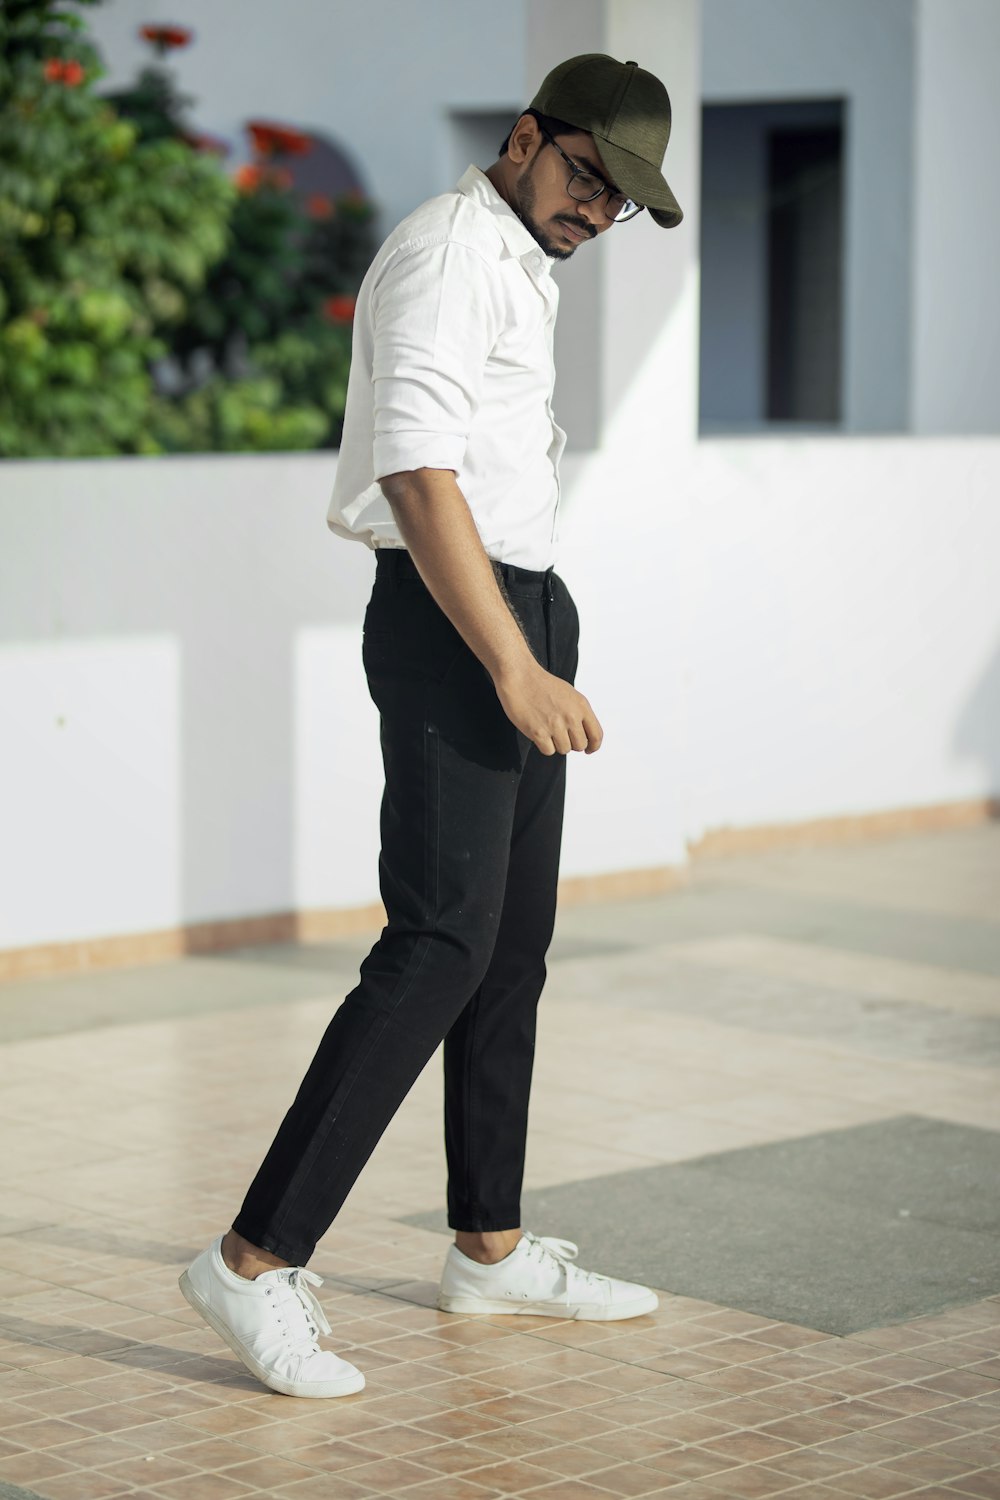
x,y
510,669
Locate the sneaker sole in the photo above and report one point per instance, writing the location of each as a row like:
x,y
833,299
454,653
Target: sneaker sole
x,y
345,1387
580,1311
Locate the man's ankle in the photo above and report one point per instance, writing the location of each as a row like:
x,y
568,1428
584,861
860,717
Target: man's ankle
x,y
247,1260
488,1246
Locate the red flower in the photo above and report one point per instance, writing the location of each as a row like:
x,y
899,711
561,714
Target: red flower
x,y
252,176
339,309
319,206
248,178
64,70
278,140
163,37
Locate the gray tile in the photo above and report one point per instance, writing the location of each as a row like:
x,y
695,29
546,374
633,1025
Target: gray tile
x,y
571,945
772,1003
728,904
340,958
907,1167
931,897
838,1231
192,986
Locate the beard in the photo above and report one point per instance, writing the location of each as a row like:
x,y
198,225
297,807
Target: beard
x,y
524,205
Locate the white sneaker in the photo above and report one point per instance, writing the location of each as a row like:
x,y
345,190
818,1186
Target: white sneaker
x,y
538,1278
272,1323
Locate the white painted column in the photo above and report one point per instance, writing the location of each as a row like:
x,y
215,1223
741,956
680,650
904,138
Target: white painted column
x,y
635,297
956,310
650,304
555,30
627,392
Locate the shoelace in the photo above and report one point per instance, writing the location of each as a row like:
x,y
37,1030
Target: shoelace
x,y
303,1304
564,1251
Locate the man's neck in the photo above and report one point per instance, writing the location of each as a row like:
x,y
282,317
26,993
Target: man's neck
x,y
498,178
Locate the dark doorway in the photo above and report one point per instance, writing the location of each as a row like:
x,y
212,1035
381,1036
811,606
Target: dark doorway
x,y
774,186
804,258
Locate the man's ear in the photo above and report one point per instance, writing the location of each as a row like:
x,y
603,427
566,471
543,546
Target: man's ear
x,y
522,139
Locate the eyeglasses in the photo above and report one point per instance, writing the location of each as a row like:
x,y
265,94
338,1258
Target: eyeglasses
x,y
585,186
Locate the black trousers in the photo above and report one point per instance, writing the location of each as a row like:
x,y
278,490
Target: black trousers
x,y
471,827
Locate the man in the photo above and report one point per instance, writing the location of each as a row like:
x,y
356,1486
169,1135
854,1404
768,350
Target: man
x,y
449,471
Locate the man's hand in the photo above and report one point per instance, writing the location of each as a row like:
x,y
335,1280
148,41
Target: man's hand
x,y
436,525
548,710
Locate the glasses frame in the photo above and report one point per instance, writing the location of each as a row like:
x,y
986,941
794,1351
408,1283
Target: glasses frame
x,y
575,171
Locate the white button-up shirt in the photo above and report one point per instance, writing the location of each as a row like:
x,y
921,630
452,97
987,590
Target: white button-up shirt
x,y
451,368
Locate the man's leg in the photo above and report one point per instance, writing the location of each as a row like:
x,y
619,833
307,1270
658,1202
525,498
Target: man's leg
x,y
452,763
489,1051
493,1267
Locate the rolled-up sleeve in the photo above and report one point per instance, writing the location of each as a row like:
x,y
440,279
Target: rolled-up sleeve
x,y
435,319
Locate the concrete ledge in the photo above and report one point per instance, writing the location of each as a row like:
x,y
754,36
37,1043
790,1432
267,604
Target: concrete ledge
x,y
846,830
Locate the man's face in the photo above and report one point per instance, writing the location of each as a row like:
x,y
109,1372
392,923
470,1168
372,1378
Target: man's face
x,y
558,222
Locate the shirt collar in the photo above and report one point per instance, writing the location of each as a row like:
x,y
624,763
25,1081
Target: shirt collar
x,y
475,184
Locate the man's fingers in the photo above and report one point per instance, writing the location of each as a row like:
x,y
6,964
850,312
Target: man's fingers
x,y
585,736
563,723
594,732
577,737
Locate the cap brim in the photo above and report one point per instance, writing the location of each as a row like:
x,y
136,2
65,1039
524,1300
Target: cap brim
x,y
643,183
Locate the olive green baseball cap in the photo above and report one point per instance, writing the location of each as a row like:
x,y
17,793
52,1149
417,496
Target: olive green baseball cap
x,y
627,111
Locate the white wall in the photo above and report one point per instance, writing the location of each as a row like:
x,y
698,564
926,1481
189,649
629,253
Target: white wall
x,y
380,79
186,733
91,795
811,628
768,50
771,630
842,627
956,306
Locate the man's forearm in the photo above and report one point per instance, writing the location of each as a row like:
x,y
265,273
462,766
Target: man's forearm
x,y
437,528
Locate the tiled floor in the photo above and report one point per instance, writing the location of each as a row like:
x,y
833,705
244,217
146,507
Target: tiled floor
x,y
777,997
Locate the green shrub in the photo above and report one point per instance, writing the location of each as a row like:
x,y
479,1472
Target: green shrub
x,y
103,237
148,302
